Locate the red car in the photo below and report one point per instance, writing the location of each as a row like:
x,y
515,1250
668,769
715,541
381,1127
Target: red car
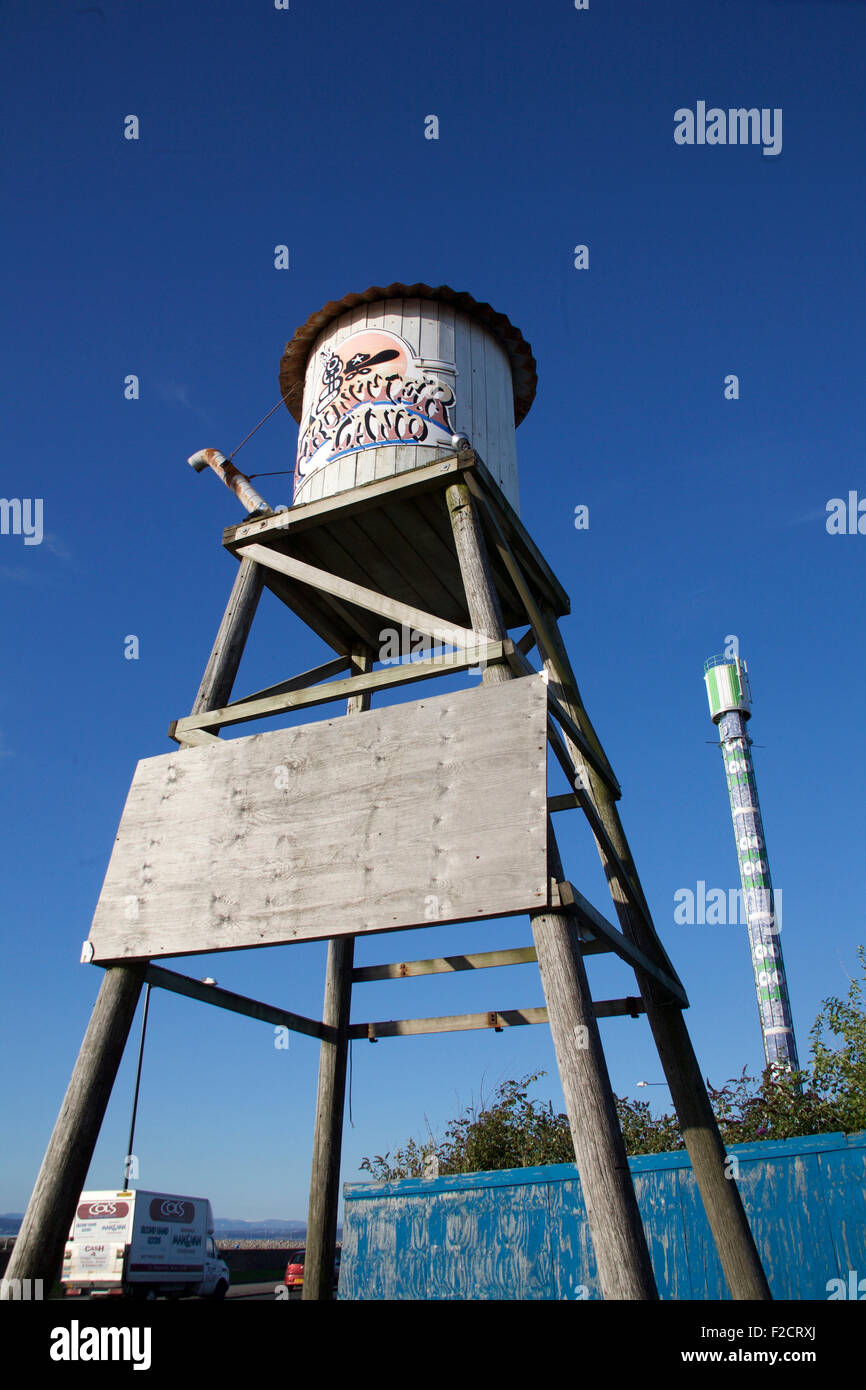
x,y
294,1276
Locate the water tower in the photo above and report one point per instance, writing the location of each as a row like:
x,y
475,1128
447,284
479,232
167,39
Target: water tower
x,y
404,815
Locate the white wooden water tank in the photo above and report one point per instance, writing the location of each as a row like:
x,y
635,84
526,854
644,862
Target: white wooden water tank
x,y
381,382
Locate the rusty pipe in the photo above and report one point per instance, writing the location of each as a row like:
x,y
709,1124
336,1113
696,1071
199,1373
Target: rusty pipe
x,y
238,482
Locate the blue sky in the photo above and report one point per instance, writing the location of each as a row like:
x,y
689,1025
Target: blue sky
x,y
155,257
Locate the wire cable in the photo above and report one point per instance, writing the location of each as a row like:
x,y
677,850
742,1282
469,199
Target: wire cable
x,y
258,426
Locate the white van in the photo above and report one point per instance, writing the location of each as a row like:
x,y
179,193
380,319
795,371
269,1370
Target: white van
x,y
143,1245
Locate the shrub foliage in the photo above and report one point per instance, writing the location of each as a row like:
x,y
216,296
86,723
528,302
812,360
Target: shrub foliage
x,y
511,1130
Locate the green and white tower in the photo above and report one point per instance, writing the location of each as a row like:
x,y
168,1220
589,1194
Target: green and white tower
x,y
727,682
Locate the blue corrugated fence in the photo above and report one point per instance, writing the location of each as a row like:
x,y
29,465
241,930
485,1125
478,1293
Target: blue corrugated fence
x,y
521,1233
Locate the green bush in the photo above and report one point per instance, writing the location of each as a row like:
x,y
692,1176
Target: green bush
x,y
511,1131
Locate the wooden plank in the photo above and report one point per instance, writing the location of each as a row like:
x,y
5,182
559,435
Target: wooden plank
x,y
331,1088
365,471
463,419
446,332
495,1019
327,615
423,812
524,667
427,623
506,458
372,537
544,638
481,960
479,434
419,480
357,625
299,682
455,1023
576,735
731,1232
428,332
484,487
431,547
388,678
440,965
625,1269
191,738
222,667
39,1245
328,1133
600,926
176,983
613,862
311,608
398,568
599,806
346,472
392,317
341,551
341,626
386,564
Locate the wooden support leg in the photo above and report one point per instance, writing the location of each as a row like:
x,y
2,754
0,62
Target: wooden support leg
x,y
727,1218
331,1094
624,1265
622,1257
39,1246
328,1139
228,648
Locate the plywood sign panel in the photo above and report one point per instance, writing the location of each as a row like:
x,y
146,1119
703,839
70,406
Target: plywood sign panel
x,y
426,812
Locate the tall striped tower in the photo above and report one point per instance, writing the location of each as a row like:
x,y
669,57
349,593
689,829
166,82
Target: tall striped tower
x,y
727,682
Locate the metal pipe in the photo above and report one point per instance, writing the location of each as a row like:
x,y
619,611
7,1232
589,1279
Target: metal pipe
x,y
236,481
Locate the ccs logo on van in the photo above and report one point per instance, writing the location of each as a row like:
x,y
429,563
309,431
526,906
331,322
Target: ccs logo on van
x,y
171,1209
89,1211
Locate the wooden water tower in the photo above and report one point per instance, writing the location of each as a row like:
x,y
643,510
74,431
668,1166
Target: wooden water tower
x,y
405,517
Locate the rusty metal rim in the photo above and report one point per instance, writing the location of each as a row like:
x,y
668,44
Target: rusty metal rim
x,y
293,364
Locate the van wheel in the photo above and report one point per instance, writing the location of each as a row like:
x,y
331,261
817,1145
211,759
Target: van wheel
x,y
220,1290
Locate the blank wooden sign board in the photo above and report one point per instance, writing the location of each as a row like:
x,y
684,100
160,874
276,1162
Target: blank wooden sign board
x,y
434,811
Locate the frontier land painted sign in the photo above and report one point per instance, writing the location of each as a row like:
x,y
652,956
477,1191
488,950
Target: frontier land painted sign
x,y
368,391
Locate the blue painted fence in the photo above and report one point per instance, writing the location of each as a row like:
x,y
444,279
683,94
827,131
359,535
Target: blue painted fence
x,y
521,1233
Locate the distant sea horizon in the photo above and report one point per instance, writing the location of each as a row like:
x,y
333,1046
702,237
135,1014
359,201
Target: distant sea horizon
x,y
225,1228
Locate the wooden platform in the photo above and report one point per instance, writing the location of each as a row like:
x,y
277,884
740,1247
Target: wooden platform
x,y
394,535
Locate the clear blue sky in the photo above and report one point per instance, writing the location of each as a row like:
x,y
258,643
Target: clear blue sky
x,y
707,516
